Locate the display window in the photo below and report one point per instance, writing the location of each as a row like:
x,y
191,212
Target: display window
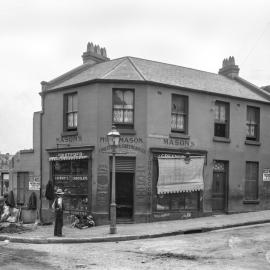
x,y
72,177
177,182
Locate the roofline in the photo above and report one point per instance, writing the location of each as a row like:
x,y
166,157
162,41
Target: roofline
x,y
148,83
253,87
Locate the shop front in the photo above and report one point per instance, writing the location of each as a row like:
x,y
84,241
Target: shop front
x,y
178,183
71,171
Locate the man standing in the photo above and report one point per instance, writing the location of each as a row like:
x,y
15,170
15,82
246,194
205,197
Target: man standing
x,y
58,207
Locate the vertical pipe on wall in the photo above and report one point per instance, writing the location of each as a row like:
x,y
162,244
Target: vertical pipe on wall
x,y
41,154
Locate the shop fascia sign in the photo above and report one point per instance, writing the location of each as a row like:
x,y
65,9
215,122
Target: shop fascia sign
x,y
126,143
169,141
266,175
69,156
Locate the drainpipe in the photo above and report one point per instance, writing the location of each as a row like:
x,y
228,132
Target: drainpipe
x,y
43,87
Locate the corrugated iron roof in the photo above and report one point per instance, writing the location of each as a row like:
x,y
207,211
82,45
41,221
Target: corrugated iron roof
x,y
137,69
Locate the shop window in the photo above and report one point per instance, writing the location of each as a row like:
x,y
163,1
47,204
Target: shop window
x,y
123,108
253,123
221,119
251,183
179,114
177,201
70,112
72,177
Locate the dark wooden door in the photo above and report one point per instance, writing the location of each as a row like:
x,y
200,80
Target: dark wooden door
x,y
219,187
124,195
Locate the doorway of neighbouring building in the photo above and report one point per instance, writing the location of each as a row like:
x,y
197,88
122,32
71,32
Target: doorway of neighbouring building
x,y
220,186
124,188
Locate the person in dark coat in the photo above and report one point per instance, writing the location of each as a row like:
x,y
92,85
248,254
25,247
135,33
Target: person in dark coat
x,y
58,207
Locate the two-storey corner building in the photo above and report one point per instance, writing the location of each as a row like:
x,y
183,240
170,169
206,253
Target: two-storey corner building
x,y
192,142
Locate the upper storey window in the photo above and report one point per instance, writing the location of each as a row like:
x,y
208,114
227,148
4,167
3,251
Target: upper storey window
x,y
71,111
123,108
253,123
179,114
221,119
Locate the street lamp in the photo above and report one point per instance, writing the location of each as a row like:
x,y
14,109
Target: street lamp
x,y
113,140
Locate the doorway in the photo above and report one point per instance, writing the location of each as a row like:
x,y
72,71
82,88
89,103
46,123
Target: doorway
x,y
124,188
220,186
124,195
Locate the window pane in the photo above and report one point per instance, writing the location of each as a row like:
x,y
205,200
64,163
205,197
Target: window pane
x,y
75,103
75,118
128,116
70,105
216,112
222,114
118,116
178,104
220,130
70,120
128,98
173,121
118,97
180,122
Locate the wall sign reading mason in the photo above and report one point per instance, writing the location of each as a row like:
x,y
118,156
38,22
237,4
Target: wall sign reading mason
x,y
127,143
178,142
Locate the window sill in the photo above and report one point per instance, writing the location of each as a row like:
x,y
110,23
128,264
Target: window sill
x,y
126,131
251,201
179,135
69,133
221,139
256,143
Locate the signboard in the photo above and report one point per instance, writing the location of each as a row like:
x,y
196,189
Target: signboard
x,y
69,156
34,183
266,175
71,177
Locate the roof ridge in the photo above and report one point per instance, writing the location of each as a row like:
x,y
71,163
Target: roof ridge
x,y
116,65
159,62
136,68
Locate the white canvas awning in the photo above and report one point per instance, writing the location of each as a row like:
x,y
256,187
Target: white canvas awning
x,y
177,176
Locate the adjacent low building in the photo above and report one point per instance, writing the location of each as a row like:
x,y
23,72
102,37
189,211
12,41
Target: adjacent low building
x,y
192,143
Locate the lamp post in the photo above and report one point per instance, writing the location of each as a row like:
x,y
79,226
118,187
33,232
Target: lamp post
x,y
113,140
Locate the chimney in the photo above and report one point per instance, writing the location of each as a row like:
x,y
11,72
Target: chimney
x,y
229,69
94,54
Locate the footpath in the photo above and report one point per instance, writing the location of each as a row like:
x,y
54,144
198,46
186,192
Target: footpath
x,y
38,234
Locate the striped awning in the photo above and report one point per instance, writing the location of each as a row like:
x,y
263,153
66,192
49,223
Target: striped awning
x,y
175,175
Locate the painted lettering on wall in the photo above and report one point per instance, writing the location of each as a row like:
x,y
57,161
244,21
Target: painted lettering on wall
x,y
69,139
133,140
125,142
178,142
102,187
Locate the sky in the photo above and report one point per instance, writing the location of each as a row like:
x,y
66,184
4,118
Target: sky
x,y
42,39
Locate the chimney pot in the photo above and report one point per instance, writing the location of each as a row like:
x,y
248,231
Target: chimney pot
x,y
94,54
229,69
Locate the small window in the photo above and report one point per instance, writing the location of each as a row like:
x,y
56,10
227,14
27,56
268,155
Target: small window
x,y
71,112
123,108
179,114
221,119
251,183
253,123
